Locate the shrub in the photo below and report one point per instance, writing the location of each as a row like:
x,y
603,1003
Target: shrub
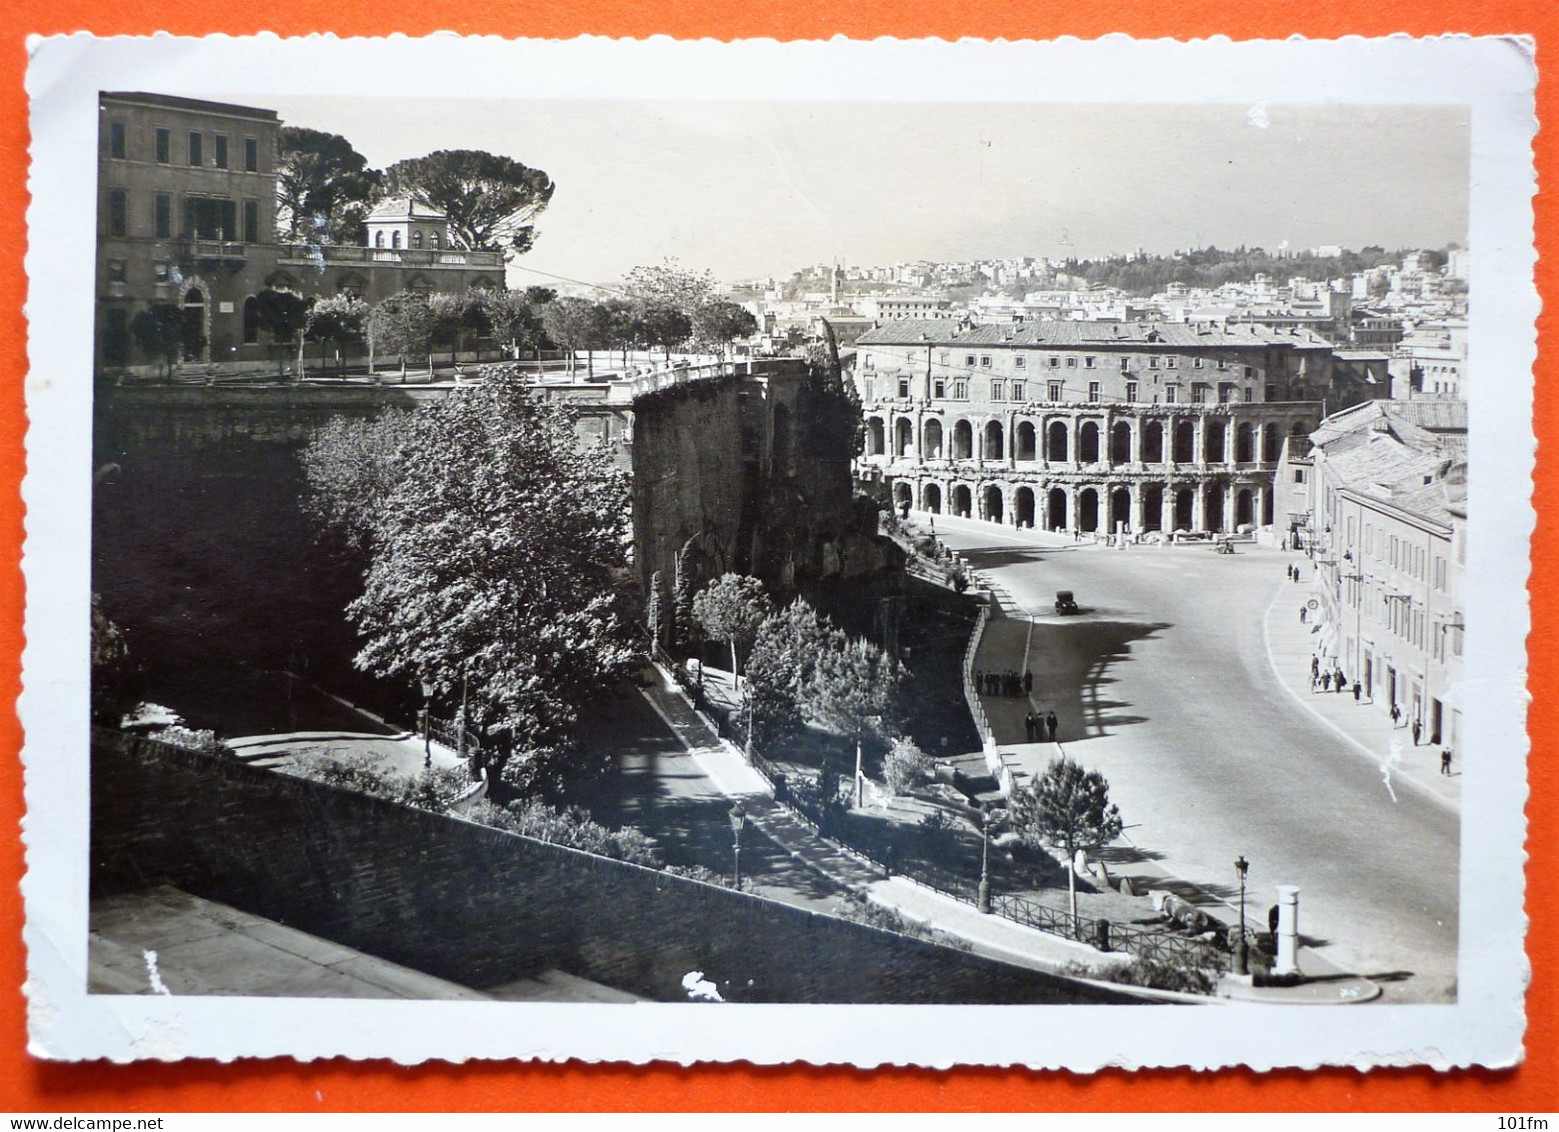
x,y
189,738
859,910
1143,972
906,766
939,830
572,828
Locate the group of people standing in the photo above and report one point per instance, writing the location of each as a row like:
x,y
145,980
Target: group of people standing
x,y
1331,680
1007,683
1040,727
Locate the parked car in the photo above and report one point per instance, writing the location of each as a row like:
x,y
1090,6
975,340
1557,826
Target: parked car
x,y
1065,603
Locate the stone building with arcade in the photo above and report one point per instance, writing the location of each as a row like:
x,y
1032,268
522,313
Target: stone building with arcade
x,y
1109,427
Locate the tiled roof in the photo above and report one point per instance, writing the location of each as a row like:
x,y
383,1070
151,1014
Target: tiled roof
x,y
1067,332
1410,454
405,208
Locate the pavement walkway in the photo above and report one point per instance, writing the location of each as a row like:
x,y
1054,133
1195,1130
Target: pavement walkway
x,y
1365,724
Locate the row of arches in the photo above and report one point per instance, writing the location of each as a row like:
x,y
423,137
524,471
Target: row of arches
x,y
1174,441
1094,509
435,240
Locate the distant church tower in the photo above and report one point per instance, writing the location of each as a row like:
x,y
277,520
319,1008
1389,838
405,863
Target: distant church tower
x,y
833,283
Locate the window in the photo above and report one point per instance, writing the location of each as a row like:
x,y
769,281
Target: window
x,y
1125,364
164,145
1171,394
1171,362
1093,391
164,215
1198,392
219,151
1019,362
162,271
870,392
116,271
904,387
1153,362
998,390
1225,393
1299,475
1055,363
1055,391
118,208
942,357
1019,391
116,139
1131,391
395,239
1071,363
866,359
1223,363
969,359
985,361
939,388
379,243
438,241
960,391
251,155
1271,392
251,222
416,240
1250,394
1250,371
197,154
1196,363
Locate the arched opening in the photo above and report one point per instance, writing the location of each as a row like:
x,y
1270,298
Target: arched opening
x,y
963,500
903,495
1299,439
1245,443
782,442
1023,504
1212,508
1271,443
1120,510
1185,510
251,321
438,241
416,240
1185,442
378,239
903,437
993,448
1153,443
1244,513
194,326
876,441
932,440
1153,508
931,499
1088,510
963,441
1216,437
993,503
395,239
1088,443
1120,443
1055,442
1024,447
1055,510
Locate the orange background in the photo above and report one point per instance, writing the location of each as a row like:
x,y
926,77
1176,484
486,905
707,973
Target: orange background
x,y
30,1085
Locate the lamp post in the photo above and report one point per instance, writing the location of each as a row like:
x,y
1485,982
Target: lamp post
x,y
1241,955
985,861
427,724
738,820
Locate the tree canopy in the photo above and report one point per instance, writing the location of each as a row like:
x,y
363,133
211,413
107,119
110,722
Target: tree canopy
x,y
491,201
730,609
159,332
1066,806
323,187
496,546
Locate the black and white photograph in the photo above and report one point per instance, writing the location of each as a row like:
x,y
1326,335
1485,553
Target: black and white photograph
x,y
898,543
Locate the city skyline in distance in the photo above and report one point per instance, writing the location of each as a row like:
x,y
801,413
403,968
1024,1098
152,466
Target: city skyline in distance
x,y
750,189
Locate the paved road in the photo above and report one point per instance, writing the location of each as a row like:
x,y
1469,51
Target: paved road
x,y
1163,683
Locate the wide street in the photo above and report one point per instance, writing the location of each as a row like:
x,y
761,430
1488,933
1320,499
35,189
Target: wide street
x,y
1163,683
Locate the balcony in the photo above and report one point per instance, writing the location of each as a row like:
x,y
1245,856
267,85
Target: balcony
x,y
226,253
402,257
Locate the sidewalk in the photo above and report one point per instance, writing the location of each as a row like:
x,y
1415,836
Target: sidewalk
x,y
1367,726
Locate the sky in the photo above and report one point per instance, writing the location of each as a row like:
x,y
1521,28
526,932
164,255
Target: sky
x,y
750,189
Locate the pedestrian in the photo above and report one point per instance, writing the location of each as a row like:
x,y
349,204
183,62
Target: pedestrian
x,y
1396,715
1339,681
1358,690
1028,726
1418,729
1285,544
1326,681
1301,615
1050,725
1028,681
1445,761
1315,667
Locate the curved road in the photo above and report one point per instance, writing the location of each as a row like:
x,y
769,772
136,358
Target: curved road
x,y
1163,684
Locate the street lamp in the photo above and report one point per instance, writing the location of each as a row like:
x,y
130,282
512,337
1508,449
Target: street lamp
x,y
738,820
1241,956
427,723
985,860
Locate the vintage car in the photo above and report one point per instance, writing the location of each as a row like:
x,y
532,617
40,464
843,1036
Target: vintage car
x,y
1065,603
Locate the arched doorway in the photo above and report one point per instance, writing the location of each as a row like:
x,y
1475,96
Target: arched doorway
x,y
251,321
993,503
1055,510
194,325
993,449
1088,510
1215,439
1271,443
1024,441
963,501
932,434
1153,508
1120,443
1185,442
1153,443
903,495
1212,508
963,441
1120,510
1244,513
1055,442
931,499
876,444
1023,504
1245,443
1088,443
1185,511
903,437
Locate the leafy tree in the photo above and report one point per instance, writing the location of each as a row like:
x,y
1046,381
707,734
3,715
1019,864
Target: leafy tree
x,y
730,609
323,187
352,466
780,669
717,324
496,555
1066,806
670,284
576,324
339,320
490,200
283,315
854,690
621,326
662,325
906,766
452,318
402,324
159,332
514,317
